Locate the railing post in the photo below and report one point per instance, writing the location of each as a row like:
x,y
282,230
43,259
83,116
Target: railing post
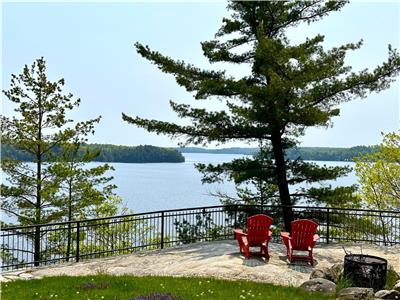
x,y
236,211
78,227
162,230
327,225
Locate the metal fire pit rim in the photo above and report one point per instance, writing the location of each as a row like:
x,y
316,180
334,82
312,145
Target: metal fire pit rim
x,y
384,260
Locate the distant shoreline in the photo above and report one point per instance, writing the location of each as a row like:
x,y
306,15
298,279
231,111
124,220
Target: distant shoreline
x,y
152,154
305,153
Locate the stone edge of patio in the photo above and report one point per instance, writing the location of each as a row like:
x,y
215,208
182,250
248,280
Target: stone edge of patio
x,y
217,259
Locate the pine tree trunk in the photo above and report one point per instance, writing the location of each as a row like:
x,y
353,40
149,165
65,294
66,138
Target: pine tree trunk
x,y
36,254
38,208
261,195
284,194
38,212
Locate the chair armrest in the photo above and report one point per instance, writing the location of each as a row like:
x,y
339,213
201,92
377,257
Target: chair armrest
x,y
239,231
239,234
316,237
286,239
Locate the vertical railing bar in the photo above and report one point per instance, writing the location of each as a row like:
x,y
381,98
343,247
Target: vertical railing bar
x,y
235,216
78,225
162,230
327,224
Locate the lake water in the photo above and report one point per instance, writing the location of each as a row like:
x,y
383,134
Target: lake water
x,y
158,186
149,187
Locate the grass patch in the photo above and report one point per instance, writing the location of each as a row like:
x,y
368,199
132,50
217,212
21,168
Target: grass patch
x,y
391,279
343,282
131,287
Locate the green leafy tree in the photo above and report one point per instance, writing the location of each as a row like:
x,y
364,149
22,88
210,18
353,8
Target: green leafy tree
x,y
289,89
203,228
379,177
119,237
102,235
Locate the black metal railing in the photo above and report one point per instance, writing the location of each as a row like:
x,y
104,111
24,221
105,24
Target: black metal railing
x,y
85,239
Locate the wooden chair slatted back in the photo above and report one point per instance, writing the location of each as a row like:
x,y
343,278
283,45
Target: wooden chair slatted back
x,y
303,232
258,228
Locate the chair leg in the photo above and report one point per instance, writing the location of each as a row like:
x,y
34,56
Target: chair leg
x,y
246,251
245,246
240,246
240,242
311,258
264,249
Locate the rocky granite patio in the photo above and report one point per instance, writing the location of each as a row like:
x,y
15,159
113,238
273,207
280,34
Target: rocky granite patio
x,y
219,259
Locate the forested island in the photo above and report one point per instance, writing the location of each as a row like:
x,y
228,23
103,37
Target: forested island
x,y
305,153
113,153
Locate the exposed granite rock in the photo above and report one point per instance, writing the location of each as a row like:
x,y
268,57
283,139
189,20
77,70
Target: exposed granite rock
x,y
397,286
219,259
386,294
25,275
11,277
356,293
336,271
319,285
324,273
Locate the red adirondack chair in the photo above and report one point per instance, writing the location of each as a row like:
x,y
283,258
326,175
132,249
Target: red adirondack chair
x,y
303,238
257,235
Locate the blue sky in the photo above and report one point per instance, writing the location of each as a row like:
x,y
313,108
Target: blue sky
x,y
91,46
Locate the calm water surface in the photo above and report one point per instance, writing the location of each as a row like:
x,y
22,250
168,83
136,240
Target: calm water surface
x,y
157,186
149,187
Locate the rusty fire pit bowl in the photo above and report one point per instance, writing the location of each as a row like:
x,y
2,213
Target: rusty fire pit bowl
x,y
366,270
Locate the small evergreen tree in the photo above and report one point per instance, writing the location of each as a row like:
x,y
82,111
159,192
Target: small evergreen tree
x,y
40,129
80,189
290,88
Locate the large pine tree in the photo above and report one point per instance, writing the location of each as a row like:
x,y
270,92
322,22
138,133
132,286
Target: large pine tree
x,y
290,88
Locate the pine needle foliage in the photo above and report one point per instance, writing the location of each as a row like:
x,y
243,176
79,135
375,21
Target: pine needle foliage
x,y
289,89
